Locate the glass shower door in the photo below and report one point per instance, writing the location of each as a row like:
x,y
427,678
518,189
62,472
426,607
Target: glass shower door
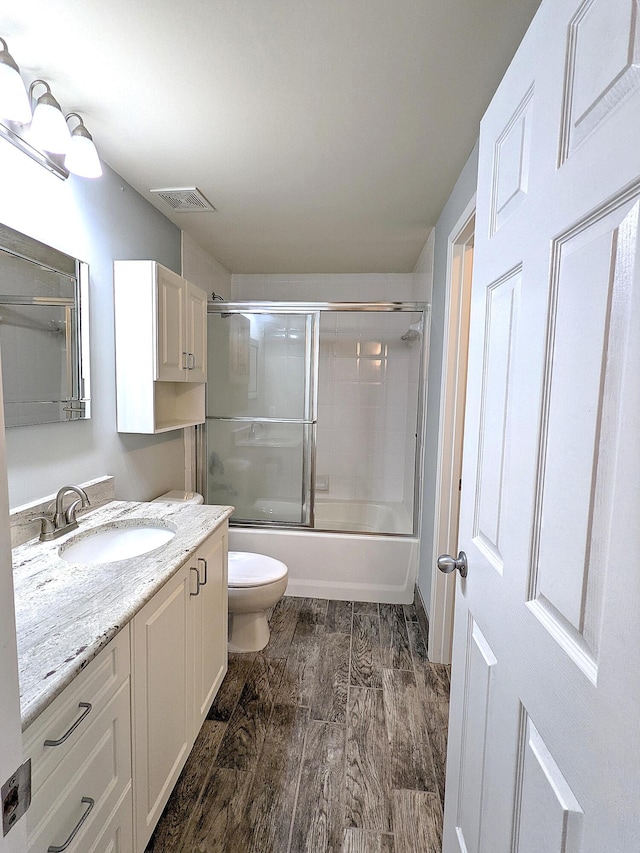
x,y
260,414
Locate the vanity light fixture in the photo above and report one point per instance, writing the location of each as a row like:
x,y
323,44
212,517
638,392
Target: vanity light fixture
x,y
14,102
82,157
49,130
45,136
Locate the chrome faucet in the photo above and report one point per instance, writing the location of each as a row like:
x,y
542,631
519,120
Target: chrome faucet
x,y
63,520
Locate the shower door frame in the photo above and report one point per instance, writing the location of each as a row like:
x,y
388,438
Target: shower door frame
x,y
314,310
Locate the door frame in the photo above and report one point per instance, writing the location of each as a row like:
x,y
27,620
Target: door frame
x,y
11,739
450,430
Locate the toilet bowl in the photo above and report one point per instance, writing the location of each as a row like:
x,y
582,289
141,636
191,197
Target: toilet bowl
x,y
256,583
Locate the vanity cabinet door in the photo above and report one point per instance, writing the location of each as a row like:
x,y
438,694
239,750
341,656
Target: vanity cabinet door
x,y
172,351
162,666
209,625
196,333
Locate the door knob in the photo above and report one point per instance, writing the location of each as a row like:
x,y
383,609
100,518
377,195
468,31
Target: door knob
x,y
448,564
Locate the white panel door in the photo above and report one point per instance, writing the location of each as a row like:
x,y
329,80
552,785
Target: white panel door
x,y
544,739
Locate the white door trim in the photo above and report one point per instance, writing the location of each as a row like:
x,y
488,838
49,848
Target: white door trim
x,y
450,429
10,724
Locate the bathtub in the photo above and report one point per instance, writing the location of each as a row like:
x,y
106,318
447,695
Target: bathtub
x,y
335,564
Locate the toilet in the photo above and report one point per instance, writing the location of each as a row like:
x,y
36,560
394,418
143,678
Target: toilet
x,y
256,584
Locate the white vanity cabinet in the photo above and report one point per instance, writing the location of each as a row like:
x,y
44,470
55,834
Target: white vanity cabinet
x,y
80,751
179,654
161,348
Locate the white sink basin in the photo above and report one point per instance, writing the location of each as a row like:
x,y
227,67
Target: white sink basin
x,y
117,541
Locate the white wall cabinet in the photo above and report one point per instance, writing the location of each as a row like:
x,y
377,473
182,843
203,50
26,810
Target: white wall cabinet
x,y
161,348
179,648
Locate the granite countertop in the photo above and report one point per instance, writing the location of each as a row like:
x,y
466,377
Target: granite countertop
x,y
67,612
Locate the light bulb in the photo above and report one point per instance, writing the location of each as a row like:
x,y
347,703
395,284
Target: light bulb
x,y
14,102
49,130
82,158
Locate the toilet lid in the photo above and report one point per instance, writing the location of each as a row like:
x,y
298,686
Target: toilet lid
x,y
246,569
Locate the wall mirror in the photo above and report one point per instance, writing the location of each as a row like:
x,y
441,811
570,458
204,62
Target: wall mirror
x,y
44,332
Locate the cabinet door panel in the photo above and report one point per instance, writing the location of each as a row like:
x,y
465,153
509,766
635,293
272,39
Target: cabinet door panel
x,y
210,626
162,681
196,333
171,323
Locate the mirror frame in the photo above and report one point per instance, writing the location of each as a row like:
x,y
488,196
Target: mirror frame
x,y
29,249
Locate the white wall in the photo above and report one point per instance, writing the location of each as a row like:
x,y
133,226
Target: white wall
x,y
423,271
96,221
202,269
329,287
458,200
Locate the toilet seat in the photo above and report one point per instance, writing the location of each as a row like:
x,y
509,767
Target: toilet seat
x,y
251,570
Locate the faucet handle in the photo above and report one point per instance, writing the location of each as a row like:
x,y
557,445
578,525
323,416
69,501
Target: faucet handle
x,y
70,514
47,528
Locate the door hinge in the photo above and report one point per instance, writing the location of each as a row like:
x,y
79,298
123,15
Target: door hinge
x,y
16,796
460,484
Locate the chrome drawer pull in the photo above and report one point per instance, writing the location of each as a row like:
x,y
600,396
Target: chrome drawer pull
x,y
205,571
197,592
53,848
87,709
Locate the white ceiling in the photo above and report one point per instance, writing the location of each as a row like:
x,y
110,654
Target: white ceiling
x,y
327,133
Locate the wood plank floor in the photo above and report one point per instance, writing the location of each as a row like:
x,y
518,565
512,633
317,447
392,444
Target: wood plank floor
x,y
331,740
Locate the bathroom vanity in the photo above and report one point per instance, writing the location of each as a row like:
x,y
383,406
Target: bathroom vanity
x,y
119,663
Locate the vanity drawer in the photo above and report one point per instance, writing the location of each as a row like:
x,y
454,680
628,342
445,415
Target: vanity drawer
x,y
94,686
91,780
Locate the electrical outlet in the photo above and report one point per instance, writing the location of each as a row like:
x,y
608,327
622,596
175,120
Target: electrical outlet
x,y
16,796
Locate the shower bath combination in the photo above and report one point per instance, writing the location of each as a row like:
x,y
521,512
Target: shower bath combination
x,y
313,432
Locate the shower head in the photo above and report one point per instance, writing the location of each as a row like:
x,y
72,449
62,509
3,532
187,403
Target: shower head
x,y
413,333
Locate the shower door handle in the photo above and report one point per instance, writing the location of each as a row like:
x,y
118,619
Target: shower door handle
x,y
448,564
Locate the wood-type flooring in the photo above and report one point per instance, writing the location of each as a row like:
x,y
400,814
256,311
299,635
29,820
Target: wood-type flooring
x,y
331,740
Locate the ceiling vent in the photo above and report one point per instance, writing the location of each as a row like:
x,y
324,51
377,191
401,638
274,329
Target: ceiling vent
x,y
183,199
